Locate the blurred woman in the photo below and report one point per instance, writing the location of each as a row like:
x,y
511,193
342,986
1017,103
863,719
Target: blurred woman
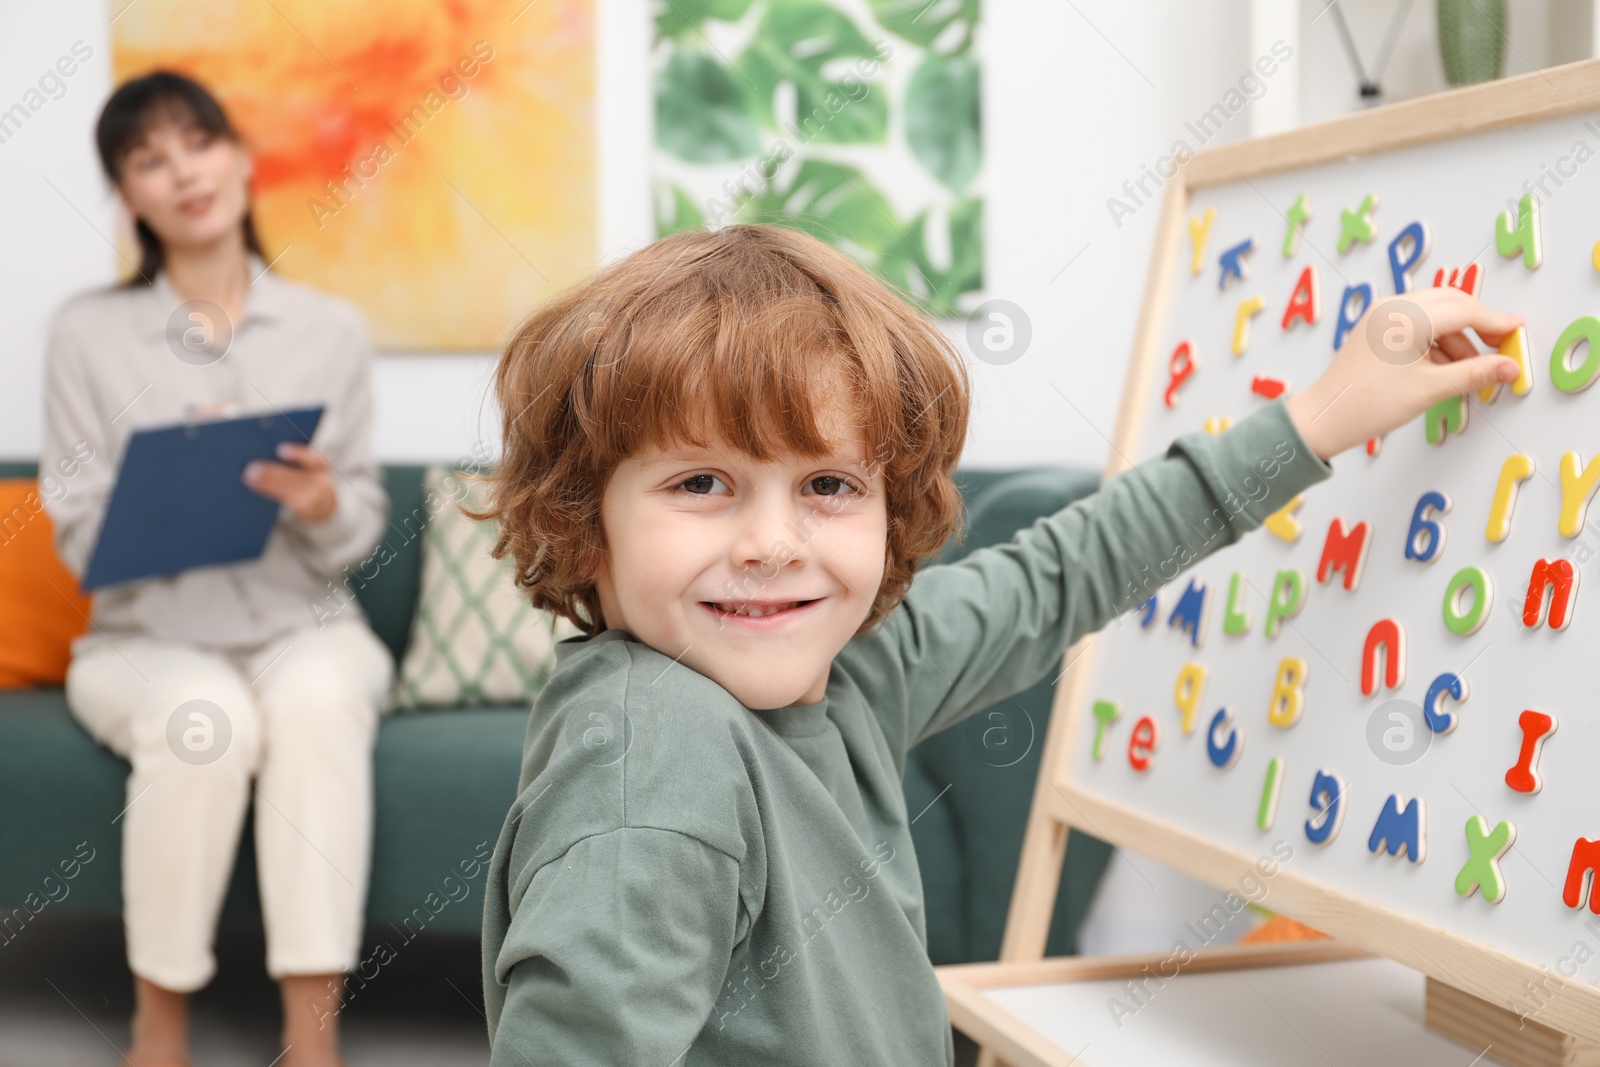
x,y
222,682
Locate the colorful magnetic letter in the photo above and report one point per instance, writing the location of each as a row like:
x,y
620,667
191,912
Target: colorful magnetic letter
x,y
1147,612
1233,262
1582,869
1482,869
1373,444
1303,302
1142,743
1288,594
1513,472
1357,225
1186,693
1214,425
1446,417
1235,619
1391,637
1416,239
1401,829
1536,729
1577,487
1271,388
1515,345
1348,316
1223,756
1268,811
1189,613
1346,552
1299,214
1105,713
1421,524
1199,231
1249,307
1469,281
1476,581
1179,367
1561,578
1327,797
1282,524
1288,692
1520,234
1442,722
1584,330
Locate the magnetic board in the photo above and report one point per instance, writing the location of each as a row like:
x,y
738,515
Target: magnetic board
x,y
1505,930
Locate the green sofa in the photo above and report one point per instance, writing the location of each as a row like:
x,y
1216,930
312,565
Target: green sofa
x,y
445,779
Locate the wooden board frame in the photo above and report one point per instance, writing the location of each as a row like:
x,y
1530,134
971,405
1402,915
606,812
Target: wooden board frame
x,y
975,1014
1059,806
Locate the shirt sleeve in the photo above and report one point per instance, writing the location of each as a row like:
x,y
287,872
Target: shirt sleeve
x,y
998,621
75,451
361,505
614,953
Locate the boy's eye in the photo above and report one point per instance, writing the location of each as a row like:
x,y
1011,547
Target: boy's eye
x,y
831,485
701,484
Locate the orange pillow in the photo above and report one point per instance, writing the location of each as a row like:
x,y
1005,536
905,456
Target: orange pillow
x,y
41,607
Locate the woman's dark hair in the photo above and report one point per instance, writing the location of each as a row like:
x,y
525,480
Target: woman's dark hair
x,y
139,104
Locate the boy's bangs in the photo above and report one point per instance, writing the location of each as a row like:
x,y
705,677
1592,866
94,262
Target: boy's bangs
x,y
769,381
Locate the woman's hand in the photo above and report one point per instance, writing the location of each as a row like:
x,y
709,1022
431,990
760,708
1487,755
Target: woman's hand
x,y
1406,354
303,484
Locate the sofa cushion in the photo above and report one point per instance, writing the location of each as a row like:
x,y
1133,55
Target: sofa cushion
x,y
475,638
41,607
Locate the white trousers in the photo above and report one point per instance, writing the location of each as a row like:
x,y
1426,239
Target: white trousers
x,y
300,717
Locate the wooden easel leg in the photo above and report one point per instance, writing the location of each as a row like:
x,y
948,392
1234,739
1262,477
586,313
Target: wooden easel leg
x,y
1508,1037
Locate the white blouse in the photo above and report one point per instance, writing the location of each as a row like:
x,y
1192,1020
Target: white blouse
x,y
110,370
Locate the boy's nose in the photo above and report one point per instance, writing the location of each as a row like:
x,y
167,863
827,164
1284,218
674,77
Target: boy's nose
x,y
768,538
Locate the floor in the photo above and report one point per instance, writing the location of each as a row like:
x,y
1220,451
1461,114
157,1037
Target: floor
x,y
65,996
66,993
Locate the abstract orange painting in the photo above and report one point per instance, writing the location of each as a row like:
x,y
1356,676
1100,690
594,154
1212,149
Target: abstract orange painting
x,y
431,160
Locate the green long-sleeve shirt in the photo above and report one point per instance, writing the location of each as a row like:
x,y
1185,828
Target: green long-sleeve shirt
x,y
681,874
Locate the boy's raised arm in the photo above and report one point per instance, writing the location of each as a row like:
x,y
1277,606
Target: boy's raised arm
x,y
614,952
997,622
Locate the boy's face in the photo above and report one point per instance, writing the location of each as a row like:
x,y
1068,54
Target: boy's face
x,y
700,541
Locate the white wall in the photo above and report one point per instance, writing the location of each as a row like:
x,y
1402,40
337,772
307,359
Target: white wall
x,y
1077,98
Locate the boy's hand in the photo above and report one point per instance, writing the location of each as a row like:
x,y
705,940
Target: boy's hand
x,y
1406,354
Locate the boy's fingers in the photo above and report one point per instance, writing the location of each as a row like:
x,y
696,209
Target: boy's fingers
x,y
1456,346
1478,372
1450,311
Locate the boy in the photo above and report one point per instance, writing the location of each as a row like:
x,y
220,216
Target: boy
x,y
724,457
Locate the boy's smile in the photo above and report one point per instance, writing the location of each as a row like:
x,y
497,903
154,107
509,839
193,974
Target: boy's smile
x,y
752,573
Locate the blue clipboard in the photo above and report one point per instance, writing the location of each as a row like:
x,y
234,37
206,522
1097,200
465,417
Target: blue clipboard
x,y
180,500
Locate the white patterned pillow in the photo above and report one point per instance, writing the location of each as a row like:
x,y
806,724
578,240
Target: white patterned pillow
x,y
475,639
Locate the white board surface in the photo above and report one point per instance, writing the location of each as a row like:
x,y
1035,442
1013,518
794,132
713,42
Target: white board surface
x,y
1456,188
1366,1012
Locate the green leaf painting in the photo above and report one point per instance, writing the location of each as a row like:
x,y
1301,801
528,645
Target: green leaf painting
x,y
925,24
857,121
701,115
942,118
795,40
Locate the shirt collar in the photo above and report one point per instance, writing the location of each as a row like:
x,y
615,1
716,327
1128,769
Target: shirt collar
x,y
265,302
